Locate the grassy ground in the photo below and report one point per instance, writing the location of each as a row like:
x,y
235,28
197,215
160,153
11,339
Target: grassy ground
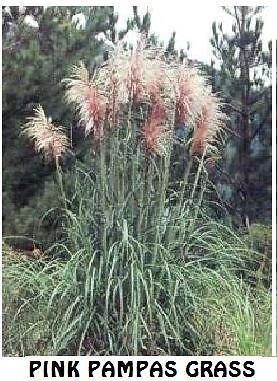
x,y
207,305
140,269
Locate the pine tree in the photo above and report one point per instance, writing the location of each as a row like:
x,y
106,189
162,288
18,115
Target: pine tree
x,y
35,59
244,80
140,23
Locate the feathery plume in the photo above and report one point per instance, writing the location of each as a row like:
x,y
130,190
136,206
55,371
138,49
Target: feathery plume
x,y
190,88
172,93
135,80
87,99
50,140
207,126
154,129
77,85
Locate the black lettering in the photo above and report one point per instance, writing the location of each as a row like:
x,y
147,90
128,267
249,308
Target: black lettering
x,y
58,368
171,371
141,365
247,367
206,368
188,369
72,368
45,369
233,367
34,365
220,367
156,367
124,368
108,367
92,366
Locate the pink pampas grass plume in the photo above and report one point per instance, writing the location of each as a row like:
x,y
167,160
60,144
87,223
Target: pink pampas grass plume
x,y
49,140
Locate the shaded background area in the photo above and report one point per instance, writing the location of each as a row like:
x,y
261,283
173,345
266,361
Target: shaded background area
x,y
40,45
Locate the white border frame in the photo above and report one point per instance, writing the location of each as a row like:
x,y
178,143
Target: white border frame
x,y
128,3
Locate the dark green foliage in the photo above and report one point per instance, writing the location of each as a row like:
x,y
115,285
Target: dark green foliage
x,y
38,221
34,62
244,174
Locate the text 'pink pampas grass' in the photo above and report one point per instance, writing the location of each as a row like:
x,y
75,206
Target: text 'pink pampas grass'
x,y
49,140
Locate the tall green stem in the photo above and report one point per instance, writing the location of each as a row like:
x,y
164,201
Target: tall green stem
x,y
60,181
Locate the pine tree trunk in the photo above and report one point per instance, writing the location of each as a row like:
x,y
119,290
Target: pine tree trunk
x,y
244,125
